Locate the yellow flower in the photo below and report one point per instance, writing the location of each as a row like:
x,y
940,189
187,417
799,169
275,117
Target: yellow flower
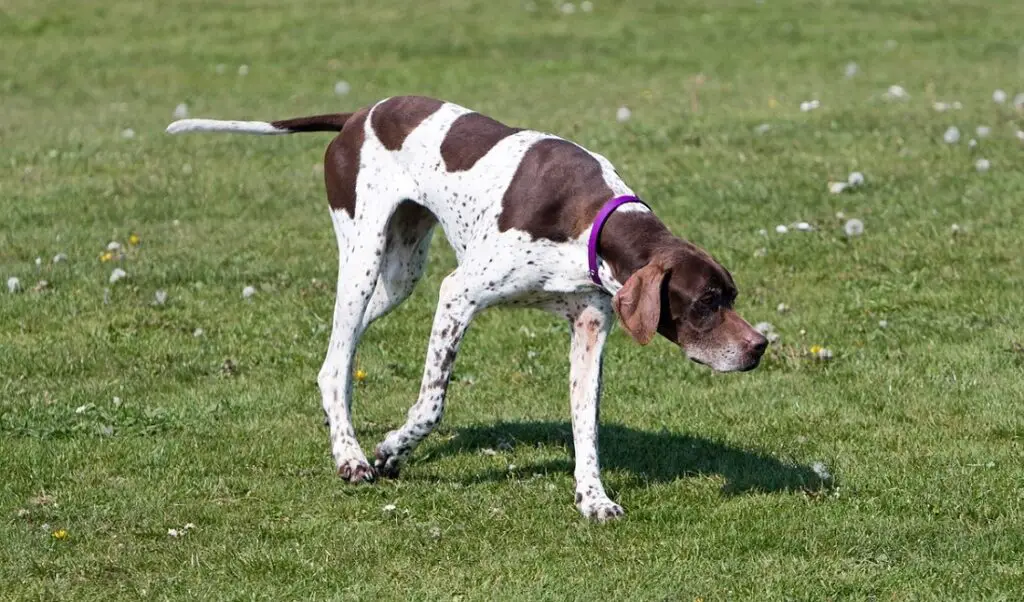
x,y
60,534
815,349
133,239
106,256
360,375
772,103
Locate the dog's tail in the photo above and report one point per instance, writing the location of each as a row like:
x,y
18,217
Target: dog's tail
x,y
316,123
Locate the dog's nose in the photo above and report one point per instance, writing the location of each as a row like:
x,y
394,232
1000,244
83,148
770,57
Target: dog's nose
x,y
757,344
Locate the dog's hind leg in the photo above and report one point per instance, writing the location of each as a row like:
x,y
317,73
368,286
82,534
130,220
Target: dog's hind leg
x,y
408,240
360,257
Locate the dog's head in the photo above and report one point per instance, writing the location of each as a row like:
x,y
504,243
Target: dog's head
x,y
687,297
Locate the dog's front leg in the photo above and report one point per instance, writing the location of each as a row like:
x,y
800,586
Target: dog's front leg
x,y
591,319
458,302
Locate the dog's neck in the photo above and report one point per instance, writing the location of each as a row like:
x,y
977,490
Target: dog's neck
x,y
629,240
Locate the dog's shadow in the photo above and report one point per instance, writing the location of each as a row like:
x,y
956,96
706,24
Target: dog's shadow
x,y
651,457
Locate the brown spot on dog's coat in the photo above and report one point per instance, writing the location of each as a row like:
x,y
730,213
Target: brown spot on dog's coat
x,y
555,193
470,137
341,164
395,118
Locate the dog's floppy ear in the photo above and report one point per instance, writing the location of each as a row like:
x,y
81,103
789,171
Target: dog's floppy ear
x,y
638,303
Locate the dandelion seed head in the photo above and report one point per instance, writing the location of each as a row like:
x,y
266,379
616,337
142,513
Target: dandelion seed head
x,y
853,227
623,114
951,135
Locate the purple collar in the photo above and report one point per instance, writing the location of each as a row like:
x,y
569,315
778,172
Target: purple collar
x,y
595,230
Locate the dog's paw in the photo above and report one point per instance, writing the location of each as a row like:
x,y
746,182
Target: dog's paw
x,y
600,509
356,471
386,464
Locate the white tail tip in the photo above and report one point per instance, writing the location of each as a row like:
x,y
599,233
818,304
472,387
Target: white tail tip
x,y
216,125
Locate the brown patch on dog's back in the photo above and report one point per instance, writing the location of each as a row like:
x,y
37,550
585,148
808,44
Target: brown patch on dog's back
x,y
395,118
470,138
555,193
341,164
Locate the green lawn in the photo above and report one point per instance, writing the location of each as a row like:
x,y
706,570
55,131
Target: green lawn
x,y
117,423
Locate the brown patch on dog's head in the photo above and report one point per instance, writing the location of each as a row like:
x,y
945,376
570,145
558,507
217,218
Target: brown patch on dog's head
x,y
686,296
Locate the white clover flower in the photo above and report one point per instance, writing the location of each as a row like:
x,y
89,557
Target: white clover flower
x,y
587,6
243,70
809,105
782,308
896,92
342,87
883,324
113,246
951,135
851,69
389,508
854,227
781,229
60,258
248,292
855,179
198,332
840,215
117,274
804,227
999,96
955,228
983,131
13,284
160,297
127,133
568,8
940,106
181,111
623,114
982,165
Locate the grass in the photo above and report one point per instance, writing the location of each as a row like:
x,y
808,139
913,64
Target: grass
x,y
920,422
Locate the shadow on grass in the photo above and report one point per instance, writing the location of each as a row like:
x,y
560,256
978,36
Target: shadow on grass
x,y
654,457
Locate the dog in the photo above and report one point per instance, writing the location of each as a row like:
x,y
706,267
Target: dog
x,y
535,221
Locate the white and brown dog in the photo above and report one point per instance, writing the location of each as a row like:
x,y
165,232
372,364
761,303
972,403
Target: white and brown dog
x,y
535,221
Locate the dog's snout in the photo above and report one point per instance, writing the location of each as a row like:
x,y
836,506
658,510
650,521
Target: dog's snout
x,y
756,344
